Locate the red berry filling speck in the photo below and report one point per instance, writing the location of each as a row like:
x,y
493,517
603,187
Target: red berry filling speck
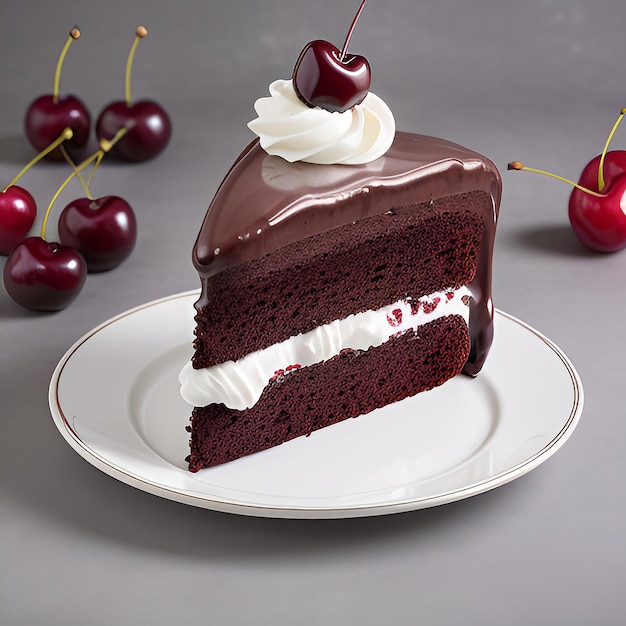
x,y
395,317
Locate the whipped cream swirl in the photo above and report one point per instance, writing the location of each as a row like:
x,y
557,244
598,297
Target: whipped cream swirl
x,y
296,132
239,384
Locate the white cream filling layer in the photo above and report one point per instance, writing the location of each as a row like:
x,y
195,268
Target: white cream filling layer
x,y
239,384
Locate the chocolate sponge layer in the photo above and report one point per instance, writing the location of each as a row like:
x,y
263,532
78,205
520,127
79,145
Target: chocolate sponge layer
x,y
410,251
348,385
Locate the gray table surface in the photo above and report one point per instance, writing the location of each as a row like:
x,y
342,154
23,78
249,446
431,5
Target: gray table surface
x,y
540,81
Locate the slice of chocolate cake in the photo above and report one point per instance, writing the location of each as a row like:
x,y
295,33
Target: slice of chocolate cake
x,y
344,266
329,290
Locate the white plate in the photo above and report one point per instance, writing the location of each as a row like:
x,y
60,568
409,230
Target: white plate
x,y
114,397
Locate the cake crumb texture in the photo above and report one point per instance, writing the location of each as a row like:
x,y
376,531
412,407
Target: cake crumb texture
x,y
406,252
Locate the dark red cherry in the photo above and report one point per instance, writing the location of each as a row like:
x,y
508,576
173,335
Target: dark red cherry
x,y
47,117
331,79
147,124
17,215
321,78
149,129
103,230
44,276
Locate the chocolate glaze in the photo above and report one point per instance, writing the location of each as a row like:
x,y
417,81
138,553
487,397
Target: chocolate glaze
x,y
265,203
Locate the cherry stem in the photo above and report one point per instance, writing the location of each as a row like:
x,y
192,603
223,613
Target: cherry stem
x,y
66,134
516,165
140,33
83,165
93,170
105,146
344,49
74,34
601,181
71,163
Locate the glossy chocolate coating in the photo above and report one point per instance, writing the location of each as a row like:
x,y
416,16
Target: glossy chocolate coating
x,y
265,203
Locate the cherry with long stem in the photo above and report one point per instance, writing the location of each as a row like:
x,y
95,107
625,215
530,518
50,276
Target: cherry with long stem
x,y
326,77
595,205
49,114
103,230
149,127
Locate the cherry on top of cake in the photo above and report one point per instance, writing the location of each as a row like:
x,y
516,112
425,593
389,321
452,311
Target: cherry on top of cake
x,y
331,79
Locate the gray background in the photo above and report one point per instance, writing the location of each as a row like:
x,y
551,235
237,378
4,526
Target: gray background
x,y
541,81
